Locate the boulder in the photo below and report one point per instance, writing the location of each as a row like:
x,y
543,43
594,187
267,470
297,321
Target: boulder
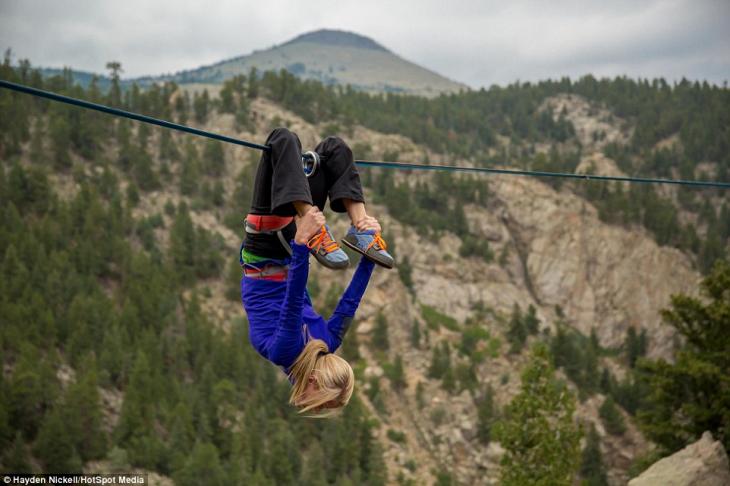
x,y
703,463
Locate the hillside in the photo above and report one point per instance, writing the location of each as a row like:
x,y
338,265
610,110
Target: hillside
x,y
120,286
331,57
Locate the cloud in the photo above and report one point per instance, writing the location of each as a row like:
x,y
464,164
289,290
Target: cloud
x,y
473,41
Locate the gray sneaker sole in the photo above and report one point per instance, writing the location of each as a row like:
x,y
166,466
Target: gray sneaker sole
x,y
332,266
374,258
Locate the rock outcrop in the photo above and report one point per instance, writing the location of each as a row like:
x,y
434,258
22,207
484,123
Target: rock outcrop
x,y
703,463
602,276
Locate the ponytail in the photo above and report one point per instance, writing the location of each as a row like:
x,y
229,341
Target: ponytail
x,y
333,375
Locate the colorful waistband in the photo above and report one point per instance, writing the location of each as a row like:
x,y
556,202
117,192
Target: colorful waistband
x,y
255,266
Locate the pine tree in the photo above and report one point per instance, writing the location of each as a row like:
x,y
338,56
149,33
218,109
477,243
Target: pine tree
x,y
420,401
242,116
32,389
607,383
592,470
689,396
233,281
143,170
591,379
55,445
611,417
113,359
214,158
440,361
6,431
396,374
284,464
202,467
635,345
466,375
538,432
183,245
517,333
37,152
15,458
379,339
182,435
405,272
168,148
115,92
219,194
190,171
444,478
201,106
416,334
485,416
566,354
227,103
83,413
138,408
118,460
532,323
182,106
253,84
448,380
59,132
314,471
240,200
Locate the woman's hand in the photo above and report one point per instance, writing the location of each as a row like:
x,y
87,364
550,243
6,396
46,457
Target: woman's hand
x,y
308,225
368,223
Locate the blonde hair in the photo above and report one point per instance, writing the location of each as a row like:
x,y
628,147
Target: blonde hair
x,y
333,375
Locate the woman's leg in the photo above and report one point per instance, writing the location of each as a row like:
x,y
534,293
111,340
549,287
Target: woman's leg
x,y
302,207
355,209
280,181
341,179
346,195
280,188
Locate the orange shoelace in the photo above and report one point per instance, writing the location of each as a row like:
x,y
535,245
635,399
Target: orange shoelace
x,y
322,239
377,240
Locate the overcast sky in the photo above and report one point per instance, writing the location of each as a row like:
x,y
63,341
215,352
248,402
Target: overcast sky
x,y
478,42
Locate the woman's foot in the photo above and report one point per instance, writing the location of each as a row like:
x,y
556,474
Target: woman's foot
x,y
326,250
370,244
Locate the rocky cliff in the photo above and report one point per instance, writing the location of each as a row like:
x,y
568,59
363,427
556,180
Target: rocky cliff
x,y
703,463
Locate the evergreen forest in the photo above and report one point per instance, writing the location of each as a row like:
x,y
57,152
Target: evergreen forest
x,y
107,350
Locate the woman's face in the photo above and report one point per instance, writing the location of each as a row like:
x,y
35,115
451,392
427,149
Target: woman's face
x,y
313,387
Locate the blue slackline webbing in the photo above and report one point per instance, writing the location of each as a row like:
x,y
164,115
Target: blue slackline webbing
x,y
126,114
536,173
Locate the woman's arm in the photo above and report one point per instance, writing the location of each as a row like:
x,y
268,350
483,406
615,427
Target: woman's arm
x,y
341,318
286,342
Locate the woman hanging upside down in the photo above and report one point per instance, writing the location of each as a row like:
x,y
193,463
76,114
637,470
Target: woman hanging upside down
x,y
284,227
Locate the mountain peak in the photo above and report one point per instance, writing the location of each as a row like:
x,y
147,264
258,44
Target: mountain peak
x,y
338,38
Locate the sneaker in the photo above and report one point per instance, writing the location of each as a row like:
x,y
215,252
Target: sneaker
x,y
370,244
326,250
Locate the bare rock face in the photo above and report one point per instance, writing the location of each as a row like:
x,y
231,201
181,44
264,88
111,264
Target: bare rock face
x,y
597,163
602,276
594,125
703,463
